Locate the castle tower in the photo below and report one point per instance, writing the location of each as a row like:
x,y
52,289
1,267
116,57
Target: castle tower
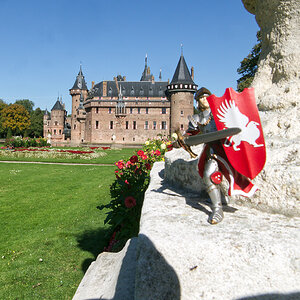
x,y
181,93
46,123
57,122
79,93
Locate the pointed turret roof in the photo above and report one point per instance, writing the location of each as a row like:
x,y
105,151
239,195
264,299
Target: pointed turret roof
x,y
80,83
182,74
146,75
58,105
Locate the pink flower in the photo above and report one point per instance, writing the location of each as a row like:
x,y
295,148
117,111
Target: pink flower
x,y
130,202
134,159
140,153
127,182
144,157
128,164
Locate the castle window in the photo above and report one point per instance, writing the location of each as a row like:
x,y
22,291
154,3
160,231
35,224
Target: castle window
x,y
163,110
181,126
164,125
151,91
109,110
54,131
181,112
74,126
139,110
97,110
141,92
160,92
131,110
55,123
97,124
146,125
111,125
59,131
132,91
127,125
154,125
134,125
147,110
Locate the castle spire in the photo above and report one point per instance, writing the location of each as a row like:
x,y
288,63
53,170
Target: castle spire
x,y
80,83
182,74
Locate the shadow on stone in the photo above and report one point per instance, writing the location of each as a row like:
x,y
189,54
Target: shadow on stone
x,y
155,278
93,241
291,296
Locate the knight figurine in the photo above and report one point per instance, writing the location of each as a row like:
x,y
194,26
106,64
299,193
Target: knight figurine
x,y
213,162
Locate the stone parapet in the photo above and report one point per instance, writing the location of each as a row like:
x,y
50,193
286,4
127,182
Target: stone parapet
x,y
179,255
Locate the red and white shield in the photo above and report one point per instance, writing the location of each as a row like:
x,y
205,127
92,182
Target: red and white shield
x,y
246,151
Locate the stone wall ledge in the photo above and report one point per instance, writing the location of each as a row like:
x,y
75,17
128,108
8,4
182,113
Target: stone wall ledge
x,y
178,255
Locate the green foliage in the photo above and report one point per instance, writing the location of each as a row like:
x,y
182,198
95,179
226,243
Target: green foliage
x,y
36,120
127,192
28,105
248,65
3,131
17,142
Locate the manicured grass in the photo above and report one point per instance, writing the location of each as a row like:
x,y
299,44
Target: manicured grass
x,y
50,229
110,157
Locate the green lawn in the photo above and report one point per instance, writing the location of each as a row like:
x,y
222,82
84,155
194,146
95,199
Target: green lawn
x,y
110,157
50,229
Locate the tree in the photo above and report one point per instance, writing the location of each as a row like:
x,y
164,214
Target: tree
x,y
16,118
2,129
27,104
249,65
36,120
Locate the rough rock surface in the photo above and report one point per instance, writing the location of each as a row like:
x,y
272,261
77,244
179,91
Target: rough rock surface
x,y
278,182
277,82
181,256
111,276
178,255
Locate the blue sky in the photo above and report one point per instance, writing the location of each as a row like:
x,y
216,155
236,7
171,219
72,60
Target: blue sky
x,y
43,43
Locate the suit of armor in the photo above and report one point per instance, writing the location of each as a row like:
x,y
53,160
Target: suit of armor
x,y
213,163
204,123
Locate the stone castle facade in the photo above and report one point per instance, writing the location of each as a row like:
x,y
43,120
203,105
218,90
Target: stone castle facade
x,y
123,112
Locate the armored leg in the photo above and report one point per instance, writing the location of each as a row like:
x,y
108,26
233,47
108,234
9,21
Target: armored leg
x,y
213,191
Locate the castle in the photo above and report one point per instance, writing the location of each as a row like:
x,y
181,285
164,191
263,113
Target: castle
x,y
123,112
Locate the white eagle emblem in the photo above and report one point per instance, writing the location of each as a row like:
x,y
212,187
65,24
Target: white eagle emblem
x,y
229,114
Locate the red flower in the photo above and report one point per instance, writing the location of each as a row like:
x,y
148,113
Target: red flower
x,y
140,153
144,157
148,166
120,164
134,159
130,202
157,152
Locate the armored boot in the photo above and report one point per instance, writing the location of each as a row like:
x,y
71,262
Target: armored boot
x,y
211,166
217,211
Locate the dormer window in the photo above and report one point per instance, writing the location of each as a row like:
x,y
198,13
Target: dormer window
x,y
160,92
110,92
132,91
151,91
141,92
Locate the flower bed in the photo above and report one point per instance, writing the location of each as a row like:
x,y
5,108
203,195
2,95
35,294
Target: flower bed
x,y
17,142
127,191
50,153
